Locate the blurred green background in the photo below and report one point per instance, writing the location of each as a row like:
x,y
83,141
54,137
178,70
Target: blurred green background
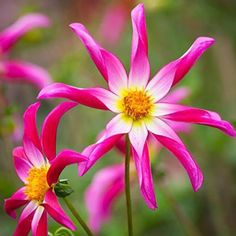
x,y
172,27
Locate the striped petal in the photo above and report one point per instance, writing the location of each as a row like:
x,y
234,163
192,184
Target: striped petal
x,y
39,223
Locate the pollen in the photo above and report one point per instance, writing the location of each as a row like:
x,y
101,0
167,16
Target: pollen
x,y
137,104
36,185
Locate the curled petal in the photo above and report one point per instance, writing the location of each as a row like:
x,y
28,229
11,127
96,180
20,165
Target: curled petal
x,y
140,68
108,65
17,200
54,209
93,97
49,128
24,24
106,186
39,223
143,168
17,71
57,165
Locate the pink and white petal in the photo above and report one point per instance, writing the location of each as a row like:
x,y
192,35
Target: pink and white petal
x,y
179,127
138,136
54,209
24,223
49,128
63,159
92,97
18,71
30,124
105,188
108,65
176,95
10,35
17,200
140,68
33,154
185,158
21,163
143,167
39,222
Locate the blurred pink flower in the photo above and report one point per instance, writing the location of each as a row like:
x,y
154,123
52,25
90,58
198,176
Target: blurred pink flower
x,y
138,104
39,173
14,70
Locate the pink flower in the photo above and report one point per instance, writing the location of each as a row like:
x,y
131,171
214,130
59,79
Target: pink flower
x,y
14,70
138,103
38,167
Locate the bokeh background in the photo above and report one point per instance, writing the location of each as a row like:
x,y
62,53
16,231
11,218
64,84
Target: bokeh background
x,y
172,27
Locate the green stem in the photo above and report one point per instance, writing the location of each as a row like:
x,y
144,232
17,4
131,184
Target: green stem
x,y
77,216
127,187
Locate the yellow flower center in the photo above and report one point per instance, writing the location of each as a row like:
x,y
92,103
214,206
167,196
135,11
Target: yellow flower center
x,y
37,186
137,104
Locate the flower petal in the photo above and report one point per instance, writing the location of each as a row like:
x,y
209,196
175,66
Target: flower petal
x,y
106,186
49,128
17,200
143,168
30,125
57,165
138,136
39,223
140,68
54,209
17,71
21,162
185,158
108,65
93,97
24,24
176,95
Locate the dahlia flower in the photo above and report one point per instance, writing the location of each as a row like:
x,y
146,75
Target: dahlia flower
x,y
137,103
15,70
38,167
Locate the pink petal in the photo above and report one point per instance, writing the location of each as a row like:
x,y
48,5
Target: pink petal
x,y
176,95
24,24
105,188
109,65
54,209
185,158
30,124
140,68
57,165
143,168
49,128
39,223
17,200
138,137
18,71
21,162
93,97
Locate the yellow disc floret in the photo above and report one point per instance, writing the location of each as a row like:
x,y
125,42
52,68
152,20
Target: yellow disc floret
x,y
36,185
137,104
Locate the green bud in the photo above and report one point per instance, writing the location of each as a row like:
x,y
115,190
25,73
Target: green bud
x,y
62,188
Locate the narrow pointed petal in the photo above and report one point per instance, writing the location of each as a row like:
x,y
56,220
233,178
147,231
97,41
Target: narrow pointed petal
x,y
39,223
17,200
186,114
21,162
185,158
92,97
54,209
57,165
144,173
138,137
140,68
18,71
101,194
30,124
108,65
176,95
24,24
49,128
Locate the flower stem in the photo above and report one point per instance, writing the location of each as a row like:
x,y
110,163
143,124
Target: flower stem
x,y
127,187
77,216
